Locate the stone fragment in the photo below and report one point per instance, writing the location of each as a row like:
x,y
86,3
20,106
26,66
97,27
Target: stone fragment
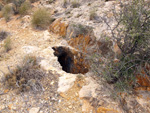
x,y
34,110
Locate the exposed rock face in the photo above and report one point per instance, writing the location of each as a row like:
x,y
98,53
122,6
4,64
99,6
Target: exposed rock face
x,y
89,90
66,82
58,27
143,79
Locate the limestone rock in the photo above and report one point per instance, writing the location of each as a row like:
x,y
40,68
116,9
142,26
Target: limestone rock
x,y
30,49
34,110
66,82
89,90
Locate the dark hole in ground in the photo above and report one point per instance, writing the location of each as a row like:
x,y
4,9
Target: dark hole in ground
x,y
66,60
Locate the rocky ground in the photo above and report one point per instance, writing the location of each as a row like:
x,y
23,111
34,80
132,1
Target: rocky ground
x,y
62,92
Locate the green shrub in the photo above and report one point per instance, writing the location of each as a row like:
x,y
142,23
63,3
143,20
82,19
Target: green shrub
x,y
24,8
7,44
41,18
7,12
1,6
75,4
32,1
3,35
133,26
133,23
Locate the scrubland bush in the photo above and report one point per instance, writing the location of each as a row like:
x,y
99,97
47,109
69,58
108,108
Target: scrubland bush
x,y
3,35
41,18
26,76
134,29
24,8
32,1
7,44
1,6
7,12
75,4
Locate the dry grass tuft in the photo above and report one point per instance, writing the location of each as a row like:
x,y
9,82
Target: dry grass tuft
x,y
26,77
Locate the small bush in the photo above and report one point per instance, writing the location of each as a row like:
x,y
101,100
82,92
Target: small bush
x,y
132,26
3,35
24,8
25,77
32,1
7,44
1,6
75,4
93,14
41,18
7,12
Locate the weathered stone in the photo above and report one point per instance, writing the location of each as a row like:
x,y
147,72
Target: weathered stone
x,y
66,82
58,27
143,80
30,49
34,110
89,90
106,110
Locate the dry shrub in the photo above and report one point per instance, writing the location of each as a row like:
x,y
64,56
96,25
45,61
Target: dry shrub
x,y
32,1
26,77
7,11
41,18
3,35
7,44
24,8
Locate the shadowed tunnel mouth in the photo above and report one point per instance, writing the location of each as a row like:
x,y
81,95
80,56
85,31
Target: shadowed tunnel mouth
x,y
66,60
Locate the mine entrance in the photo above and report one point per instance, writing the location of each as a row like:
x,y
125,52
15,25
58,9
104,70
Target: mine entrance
x,y
66,60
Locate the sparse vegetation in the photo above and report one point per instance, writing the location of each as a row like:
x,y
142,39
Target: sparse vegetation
x,y
75,4
3,35
7,12
7,44
1,6
41,18
32,1
25,77
133,26
24,8
93,14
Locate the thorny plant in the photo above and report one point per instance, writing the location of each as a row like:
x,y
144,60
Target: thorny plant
x,y
25,77
132,34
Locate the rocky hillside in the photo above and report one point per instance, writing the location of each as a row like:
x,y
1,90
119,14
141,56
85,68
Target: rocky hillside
x,y
45,64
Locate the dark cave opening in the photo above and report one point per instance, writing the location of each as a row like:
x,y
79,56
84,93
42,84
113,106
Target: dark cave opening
x,y
66,60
